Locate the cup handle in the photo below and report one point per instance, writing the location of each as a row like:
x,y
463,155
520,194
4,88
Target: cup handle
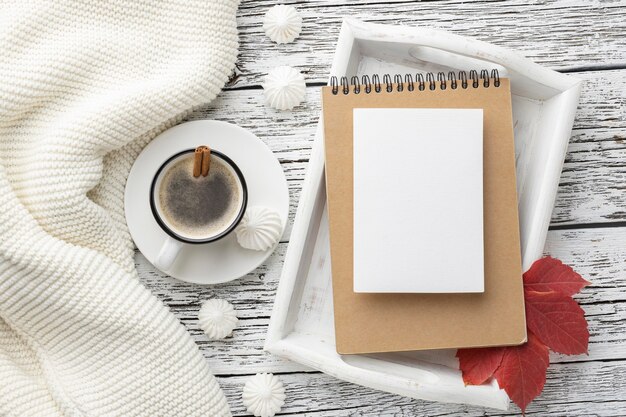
x,y
168,254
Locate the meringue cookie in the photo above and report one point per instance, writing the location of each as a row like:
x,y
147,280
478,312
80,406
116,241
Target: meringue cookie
x,y
217,318
282,23
263,395
284,88
259,229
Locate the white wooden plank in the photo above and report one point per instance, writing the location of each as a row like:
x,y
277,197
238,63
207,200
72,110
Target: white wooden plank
x,y
591,188
575,389
598,254
587,408
561,34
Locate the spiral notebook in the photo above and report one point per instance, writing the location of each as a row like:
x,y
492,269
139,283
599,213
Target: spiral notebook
x,y
369,322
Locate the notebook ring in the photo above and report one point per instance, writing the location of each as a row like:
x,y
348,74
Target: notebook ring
x,y
376,81
495,74
345,86
355,83
474,77
484,74
420,80
365,80
430,79
463,78
408,80
397,80
388,83
334,84
452,78
399,83
441,77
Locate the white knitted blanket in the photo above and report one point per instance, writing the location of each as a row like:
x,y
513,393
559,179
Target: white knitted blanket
x,y
84,85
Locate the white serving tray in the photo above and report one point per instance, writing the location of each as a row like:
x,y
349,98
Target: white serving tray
x,y
544,104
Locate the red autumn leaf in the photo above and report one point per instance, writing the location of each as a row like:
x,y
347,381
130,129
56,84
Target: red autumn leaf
x,y
554,321
522,372
549,274
478,365
558,321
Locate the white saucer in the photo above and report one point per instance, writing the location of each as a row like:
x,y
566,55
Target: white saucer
x,y
223,260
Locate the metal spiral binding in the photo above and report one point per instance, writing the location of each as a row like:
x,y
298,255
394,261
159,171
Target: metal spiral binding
x,y
419,82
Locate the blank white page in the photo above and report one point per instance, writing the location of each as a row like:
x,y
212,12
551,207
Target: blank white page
x,y
418,200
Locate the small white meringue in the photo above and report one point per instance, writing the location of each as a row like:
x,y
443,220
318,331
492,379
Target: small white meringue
x,y
217,318
284,88
282,23
259,229
263,395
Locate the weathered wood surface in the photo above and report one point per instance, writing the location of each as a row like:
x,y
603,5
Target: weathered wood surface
x,y
583,37
597,392
561,34
594,176
598,254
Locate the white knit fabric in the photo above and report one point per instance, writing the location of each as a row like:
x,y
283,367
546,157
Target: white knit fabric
x,y
84,85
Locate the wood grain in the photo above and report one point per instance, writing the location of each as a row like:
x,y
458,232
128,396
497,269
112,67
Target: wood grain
x,y
561,34
594,176
575,389
584,37
596,253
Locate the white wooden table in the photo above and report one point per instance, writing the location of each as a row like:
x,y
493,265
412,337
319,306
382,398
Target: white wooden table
x,y
584,37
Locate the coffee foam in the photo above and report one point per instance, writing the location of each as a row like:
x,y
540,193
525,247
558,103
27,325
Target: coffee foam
x,y
202,207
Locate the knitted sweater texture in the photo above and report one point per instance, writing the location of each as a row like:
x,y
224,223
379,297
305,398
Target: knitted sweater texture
x,y
84,85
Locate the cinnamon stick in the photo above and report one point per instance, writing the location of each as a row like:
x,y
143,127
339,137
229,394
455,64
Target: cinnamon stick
x,y
206,161
197,161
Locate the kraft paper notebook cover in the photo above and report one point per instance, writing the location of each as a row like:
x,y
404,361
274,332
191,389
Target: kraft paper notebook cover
x,y
385,322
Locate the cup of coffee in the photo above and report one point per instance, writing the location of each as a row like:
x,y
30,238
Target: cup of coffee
x,y
195,210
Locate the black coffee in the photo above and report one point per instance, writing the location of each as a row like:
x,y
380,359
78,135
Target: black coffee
x,y
200,207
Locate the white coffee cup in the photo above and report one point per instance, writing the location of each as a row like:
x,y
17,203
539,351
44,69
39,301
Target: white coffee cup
x,y
179,237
